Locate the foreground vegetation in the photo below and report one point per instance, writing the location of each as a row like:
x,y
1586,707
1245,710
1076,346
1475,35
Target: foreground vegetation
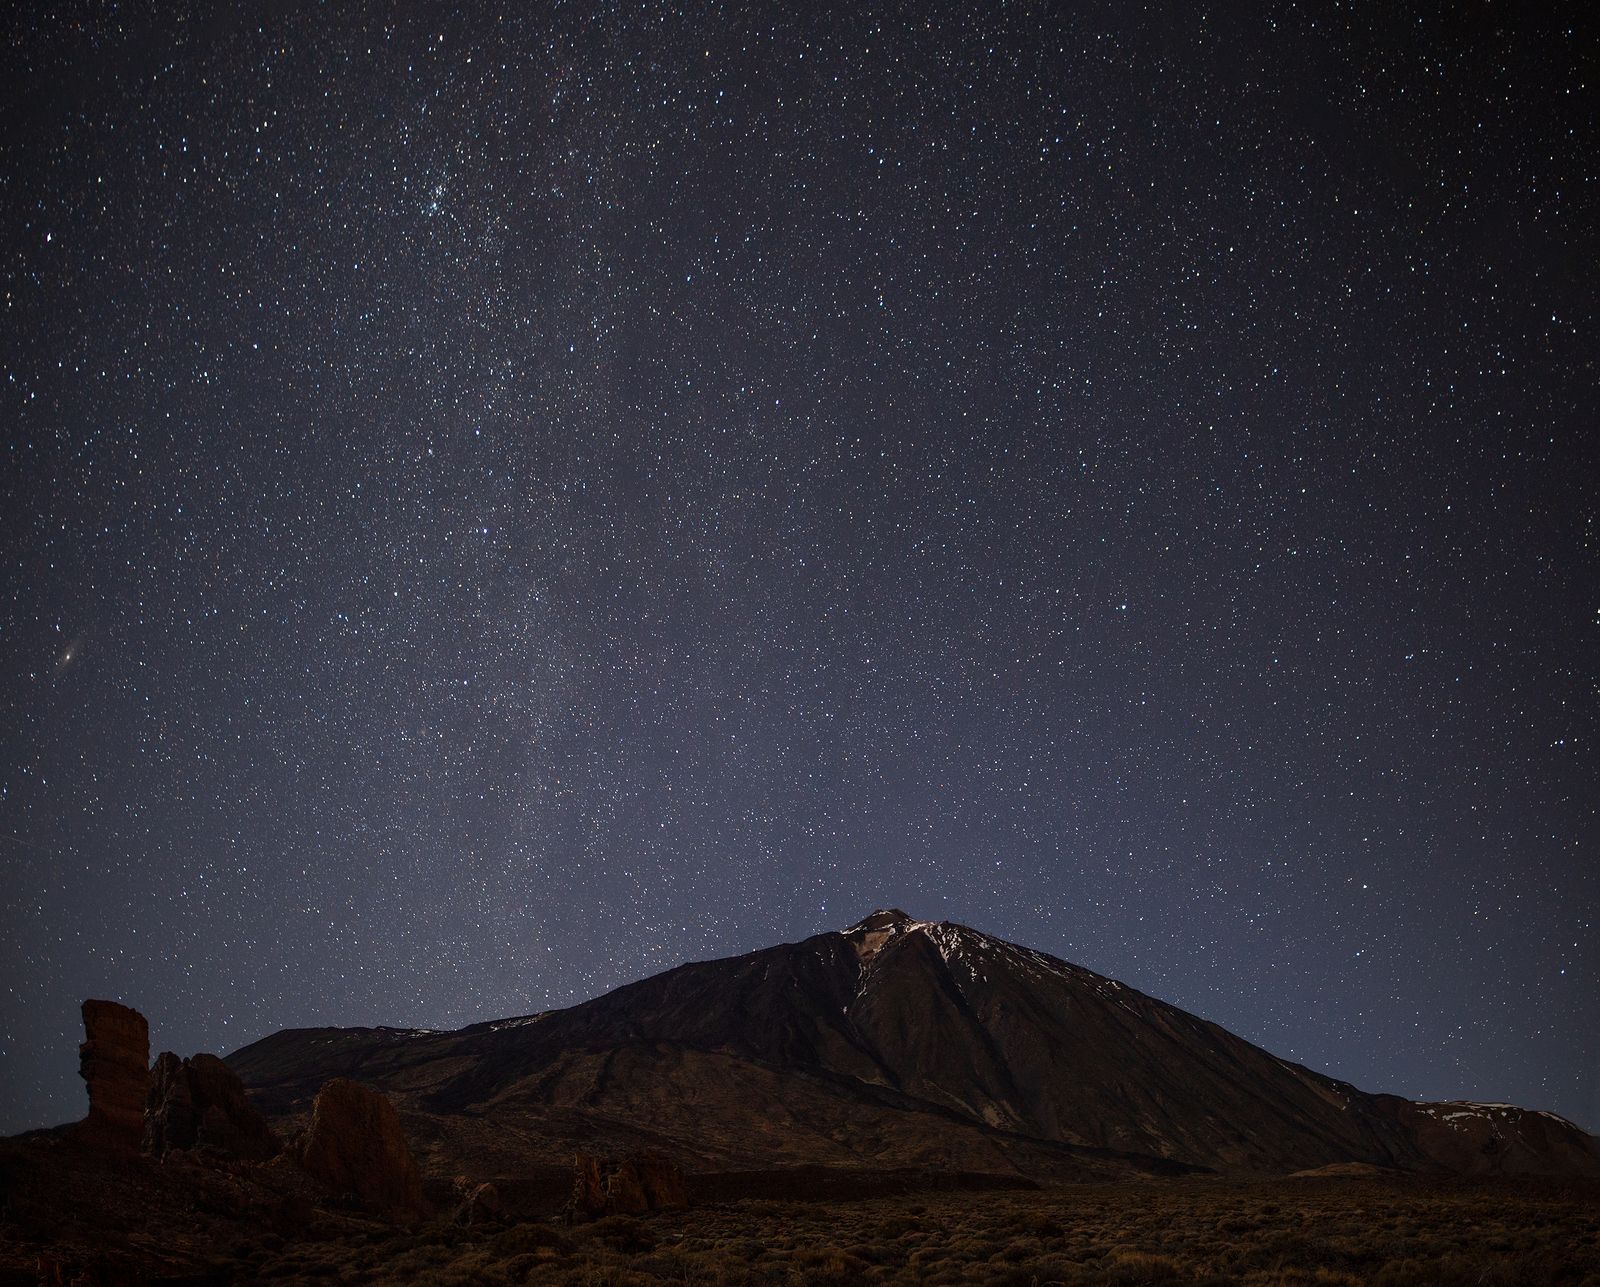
x,y
1389,1232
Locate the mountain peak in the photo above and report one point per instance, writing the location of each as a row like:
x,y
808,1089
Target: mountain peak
x,y
882,919
908,1042
869,936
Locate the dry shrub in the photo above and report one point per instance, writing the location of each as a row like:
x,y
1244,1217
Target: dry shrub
x,y
1129,1265
1393,1233
1041,1224
524,1238
623,1233
829,1265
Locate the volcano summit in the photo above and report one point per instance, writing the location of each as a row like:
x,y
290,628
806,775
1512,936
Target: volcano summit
x,y
895,1043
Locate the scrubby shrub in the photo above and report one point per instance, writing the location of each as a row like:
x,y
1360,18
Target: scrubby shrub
x,y
1499,1234
829,1265
1128,1265
523,1238
623,1233
1041,1224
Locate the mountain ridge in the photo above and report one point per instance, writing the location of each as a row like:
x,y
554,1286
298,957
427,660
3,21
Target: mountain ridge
x,y
900,1042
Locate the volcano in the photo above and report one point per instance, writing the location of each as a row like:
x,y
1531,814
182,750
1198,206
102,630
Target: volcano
x,y
896,1044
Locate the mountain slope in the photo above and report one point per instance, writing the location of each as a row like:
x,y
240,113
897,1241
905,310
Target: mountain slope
x,y
901,1043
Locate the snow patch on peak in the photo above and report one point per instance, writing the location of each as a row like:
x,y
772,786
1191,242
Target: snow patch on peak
x,y
872,935
1455,1111
972,949
501,1024
978,954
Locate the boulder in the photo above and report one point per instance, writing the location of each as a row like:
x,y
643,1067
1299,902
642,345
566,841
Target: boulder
x,y
588,1200
170,1120
356,1145
480,1203
201,1103
661,1179
114,1061
639,1182
625,1191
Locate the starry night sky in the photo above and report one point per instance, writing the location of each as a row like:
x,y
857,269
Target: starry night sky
x,y
495,505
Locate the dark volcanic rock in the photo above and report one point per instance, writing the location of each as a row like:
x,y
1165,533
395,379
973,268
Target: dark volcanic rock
x,y
170,1119
479,1202
900,1043
356,1145
130,1220
200,1103
114,1060
1494,1139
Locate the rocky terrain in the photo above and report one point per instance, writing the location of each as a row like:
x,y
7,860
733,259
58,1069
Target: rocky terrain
x,y
895,1058
895,1044
114,1062
1374,1231
175,1177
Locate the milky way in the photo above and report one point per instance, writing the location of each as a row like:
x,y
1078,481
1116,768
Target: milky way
x,y
497,505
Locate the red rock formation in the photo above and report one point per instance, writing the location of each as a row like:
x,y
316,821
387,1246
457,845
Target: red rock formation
x,y
356,1145
170,1120
661,1179
624,1191
642,1181
114,1061
200,1103
588,1198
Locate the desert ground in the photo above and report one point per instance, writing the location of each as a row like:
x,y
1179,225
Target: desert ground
x,y
1391,1232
